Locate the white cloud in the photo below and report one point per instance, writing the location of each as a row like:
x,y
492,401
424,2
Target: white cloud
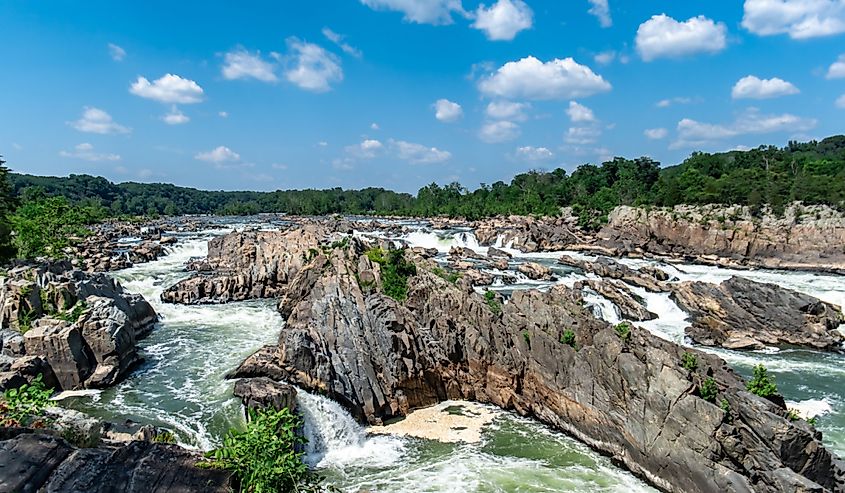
x,y
601,10
367,149
219,156
580,113
168,89
241,64
374,126
840,102
418,153
656,133
503,20
312,68
175,117
530,78
664,37
116,52
447,111
694,133
507,110
752,87
500,131
665,103
837,68
223,114
582,135
279,166
530,153
323,143
605,57
437,12
338,39
97,121
800,19
86,152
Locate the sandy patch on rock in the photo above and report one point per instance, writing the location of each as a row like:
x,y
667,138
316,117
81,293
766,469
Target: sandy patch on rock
x,y
449,422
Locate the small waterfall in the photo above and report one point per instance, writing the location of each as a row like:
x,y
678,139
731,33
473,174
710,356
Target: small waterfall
x,y
336,440
602,307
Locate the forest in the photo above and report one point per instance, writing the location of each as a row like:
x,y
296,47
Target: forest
x,y
811,172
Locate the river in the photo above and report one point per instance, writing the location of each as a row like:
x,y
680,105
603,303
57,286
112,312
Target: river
x,y
181,386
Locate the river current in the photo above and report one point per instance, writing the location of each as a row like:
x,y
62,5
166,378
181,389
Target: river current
x,y
181,386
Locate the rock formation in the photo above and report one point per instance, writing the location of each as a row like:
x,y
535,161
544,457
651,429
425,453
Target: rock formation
x,y
648,278
622,391
630,306
743,314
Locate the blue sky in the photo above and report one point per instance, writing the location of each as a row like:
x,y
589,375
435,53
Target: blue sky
x,y
400,93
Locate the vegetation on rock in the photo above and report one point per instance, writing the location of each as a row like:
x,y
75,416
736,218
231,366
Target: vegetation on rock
x,y
761,383
708,389
44,227
623,330
689,362
568,338
24,405
492,302
395,271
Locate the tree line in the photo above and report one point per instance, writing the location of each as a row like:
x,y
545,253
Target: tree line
x,y
811,172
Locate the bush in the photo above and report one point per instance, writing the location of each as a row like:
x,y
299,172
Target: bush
x,y
264,457
23,405
527,337
708,389
689,362
44,227
492,302
395,271
623,330
568,337
762,384
449,276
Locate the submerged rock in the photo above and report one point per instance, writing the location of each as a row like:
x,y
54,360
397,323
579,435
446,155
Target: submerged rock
x,y
744,314
624,392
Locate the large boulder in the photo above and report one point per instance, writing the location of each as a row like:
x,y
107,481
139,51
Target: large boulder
x,y
624,392
744,314
648,278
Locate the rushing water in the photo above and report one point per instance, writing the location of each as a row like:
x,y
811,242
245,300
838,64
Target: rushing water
x,y
181,386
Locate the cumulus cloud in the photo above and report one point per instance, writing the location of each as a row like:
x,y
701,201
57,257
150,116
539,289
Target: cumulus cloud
x,y
840,102
311,67
338,39
418,153
507,110
175,117
694,133
664,37
837,68
241,64
500,131
800,19
601,10
582,135
529,78
168,89
85,152
534,154
665,103
97,121
605,57
367,149
223,114
656,133
503,20
447,111
580,113
116,52
219,156
437,12
752,87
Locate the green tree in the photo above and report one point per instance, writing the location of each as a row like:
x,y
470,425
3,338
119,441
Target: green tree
x,y
7,203
46,226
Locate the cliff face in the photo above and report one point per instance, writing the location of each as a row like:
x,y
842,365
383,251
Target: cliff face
x,y
805,238
624,393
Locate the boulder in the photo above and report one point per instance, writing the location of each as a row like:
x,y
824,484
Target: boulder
x,y
535,271
744,314
262,392
609,268
631,306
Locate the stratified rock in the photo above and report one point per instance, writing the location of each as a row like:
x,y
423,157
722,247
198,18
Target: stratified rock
x,y
263,392
629,305
743,314
627,396
495,252
35,462
609,268
535,271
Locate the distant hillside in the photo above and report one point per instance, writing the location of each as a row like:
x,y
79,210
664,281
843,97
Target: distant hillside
x,y
812,172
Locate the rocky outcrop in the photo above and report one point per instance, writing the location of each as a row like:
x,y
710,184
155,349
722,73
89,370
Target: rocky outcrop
x,y
806,237
529,234
249,265
79,330
623,392
650,279
743,314
630,306
535,271
31,462
262,392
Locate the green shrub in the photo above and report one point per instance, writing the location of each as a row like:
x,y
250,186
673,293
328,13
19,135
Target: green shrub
x,y
568,337
164,437
73,315
26,403
708,389
623,330
395,271
264,457
725,405
689,362
792,415
492,302
449,276
811,421
527,337
762,384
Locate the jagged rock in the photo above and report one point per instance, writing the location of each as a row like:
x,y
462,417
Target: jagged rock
x,y
535,271
609,268
36,462
495,252
77,428
477,277
11,342
263,392
630,306
743,314
629,398
459,253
